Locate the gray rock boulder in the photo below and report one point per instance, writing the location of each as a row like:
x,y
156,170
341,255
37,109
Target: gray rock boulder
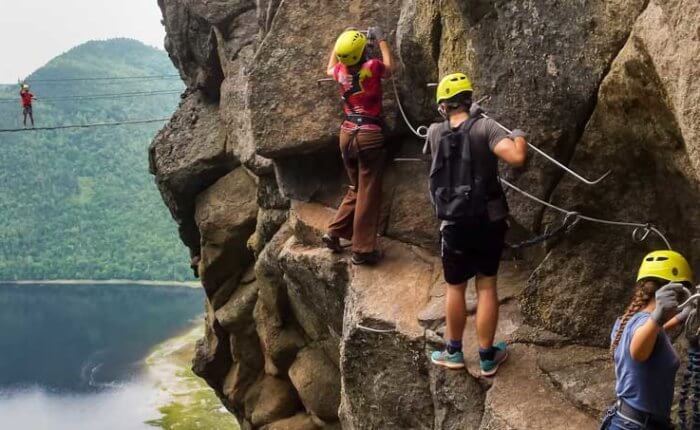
x,y
317,381
192,45
643,129
290,60
277,400
187,156
212,360
226,215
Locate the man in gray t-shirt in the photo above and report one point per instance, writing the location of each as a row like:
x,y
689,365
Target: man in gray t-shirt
x,y
472,247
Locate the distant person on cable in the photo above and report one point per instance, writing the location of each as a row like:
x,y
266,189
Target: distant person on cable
x,y
27,98
361,142
645,361
468,199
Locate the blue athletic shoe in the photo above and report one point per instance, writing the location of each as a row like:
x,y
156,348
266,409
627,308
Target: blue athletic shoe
x,y
490,367
445,359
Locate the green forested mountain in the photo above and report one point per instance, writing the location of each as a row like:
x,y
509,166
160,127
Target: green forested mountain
x,y
81,203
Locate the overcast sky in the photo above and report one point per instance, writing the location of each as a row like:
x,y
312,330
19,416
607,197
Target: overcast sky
x,y
34,31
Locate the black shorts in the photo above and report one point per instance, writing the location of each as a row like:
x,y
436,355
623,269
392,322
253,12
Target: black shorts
x,y
27,110
472,249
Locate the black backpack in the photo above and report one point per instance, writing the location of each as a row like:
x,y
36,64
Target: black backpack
x,y
460,189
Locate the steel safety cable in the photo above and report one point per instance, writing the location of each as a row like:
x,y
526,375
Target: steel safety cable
x,y
647,227
421,131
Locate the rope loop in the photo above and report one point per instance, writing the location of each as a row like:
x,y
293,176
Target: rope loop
x,y
420,132
648,228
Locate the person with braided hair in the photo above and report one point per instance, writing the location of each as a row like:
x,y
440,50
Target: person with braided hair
x,y
645,361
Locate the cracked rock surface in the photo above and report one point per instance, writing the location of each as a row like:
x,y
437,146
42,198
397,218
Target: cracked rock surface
x,y
298,338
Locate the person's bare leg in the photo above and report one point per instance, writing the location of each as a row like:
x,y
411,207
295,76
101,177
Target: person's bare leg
x,y
456,312
486,310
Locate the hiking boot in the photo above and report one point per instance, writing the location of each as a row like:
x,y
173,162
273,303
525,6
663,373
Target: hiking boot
x,y
368,258
490,367
445,359
332,243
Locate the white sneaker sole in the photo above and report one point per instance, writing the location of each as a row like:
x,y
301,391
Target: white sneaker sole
x,y
453,366
493,371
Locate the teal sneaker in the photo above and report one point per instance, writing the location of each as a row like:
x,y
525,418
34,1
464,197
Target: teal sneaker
x,y
490,367
445,359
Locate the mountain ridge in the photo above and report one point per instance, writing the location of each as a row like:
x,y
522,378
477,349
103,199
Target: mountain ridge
x,y
79,204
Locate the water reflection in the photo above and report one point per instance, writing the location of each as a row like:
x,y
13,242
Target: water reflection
x,y
71,356
126,407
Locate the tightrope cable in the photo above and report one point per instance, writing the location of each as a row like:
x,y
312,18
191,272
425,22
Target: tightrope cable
x,y
99,124
95,96
104,78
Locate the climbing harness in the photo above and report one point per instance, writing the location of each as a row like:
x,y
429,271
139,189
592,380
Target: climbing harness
x,y
361,120
690,387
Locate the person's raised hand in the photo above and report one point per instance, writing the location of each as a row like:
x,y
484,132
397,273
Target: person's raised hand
x,y
476,110
666,302
375,33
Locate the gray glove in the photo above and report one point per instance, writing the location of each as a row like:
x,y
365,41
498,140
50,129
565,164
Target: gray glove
x,y
375,33
517,133
476,110
683,315
666,302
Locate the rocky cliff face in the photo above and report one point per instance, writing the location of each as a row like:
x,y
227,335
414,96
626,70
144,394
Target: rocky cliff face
x,y
299,339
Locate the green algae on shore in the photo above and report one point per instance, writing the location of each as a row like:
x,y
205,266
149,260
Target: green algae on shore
x,y
187,403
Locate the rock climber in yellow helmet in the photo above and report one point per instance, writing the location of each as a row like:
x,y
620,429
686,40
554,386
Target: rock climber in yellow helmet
x,y
361,141
645,361
468,199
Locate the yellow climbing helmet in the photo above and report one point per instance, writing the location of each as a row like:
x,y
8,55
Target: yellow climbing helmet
x,y
667,265
453,84
350,46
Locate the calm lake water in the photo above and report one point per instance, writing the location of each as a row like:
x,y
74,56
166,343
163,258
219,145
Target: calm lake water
x,y
71,356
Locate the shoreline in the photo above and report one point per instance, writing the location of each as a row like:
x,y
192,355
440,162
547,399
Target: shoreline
x,y
183,401
190,284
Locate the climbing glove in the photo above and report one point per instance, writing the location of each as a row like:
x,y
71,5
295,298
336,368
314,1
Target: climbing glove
x,y
476,110
375,33
666,302
683,315
517,133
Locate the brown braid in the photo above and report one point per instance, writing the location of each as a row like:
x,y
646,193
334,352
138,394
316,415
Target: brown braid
x,y
643,293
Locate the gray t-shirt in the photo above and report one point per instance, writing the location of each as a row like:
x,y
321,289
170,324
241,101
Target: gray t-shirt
x,y
484,129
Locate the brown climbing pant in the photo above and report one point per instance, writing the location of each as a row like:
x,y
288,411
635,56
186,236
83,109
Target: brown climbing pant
x,y
357,218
